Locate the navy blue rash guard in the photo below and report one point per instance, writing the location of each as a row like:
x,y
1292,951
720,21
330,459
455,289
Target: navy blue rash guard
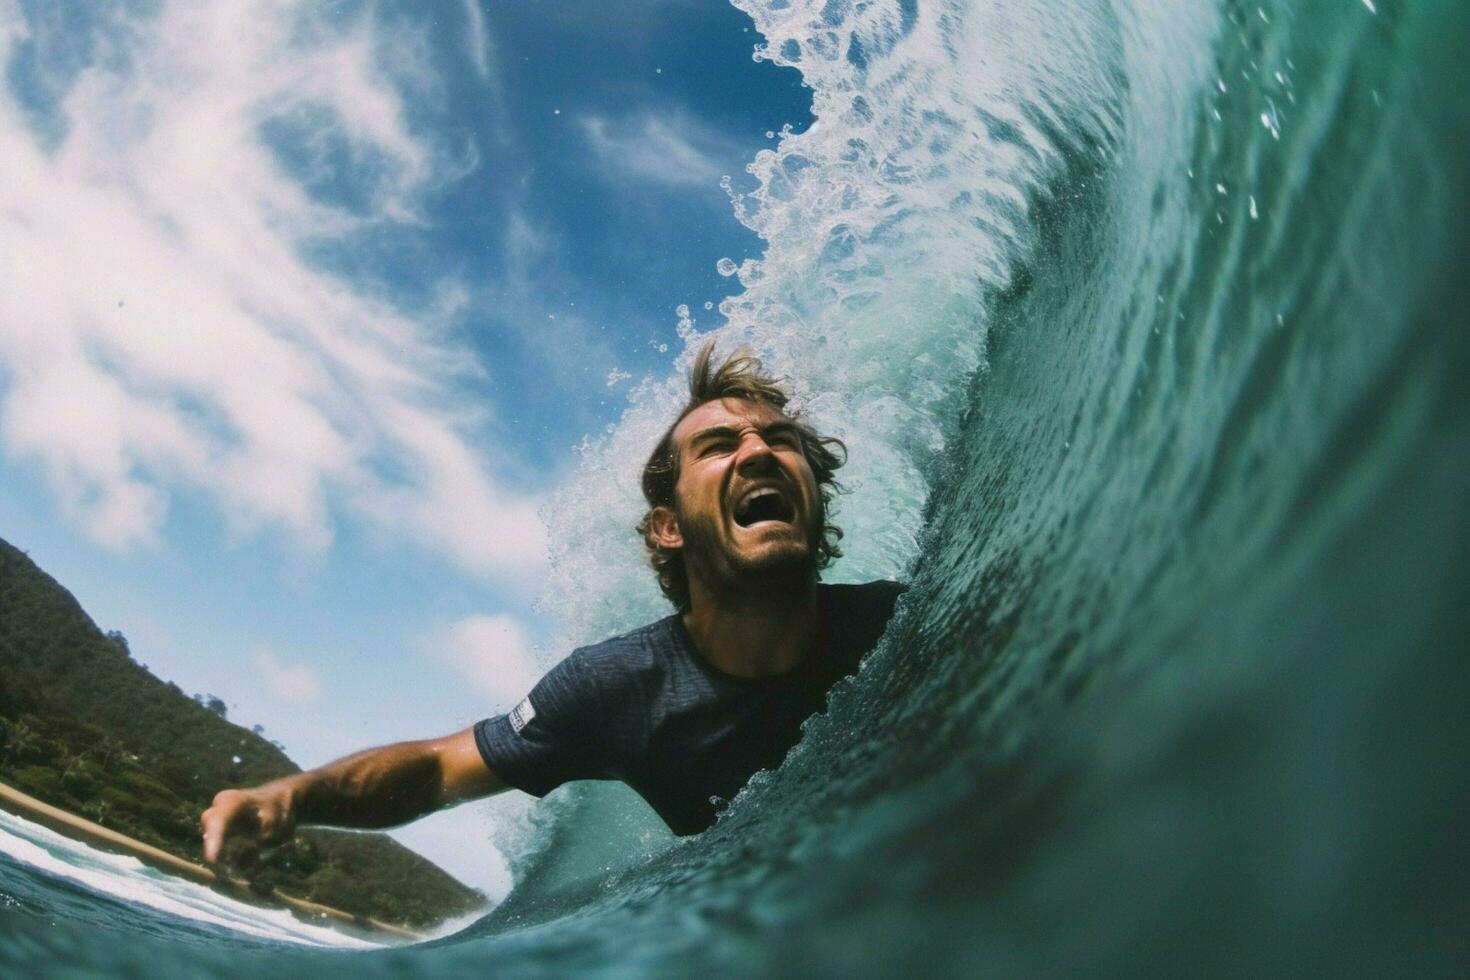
x,y
646,708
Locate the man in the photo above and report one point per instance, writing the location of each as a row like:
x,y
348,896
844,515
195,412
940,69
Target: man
x,y
684,710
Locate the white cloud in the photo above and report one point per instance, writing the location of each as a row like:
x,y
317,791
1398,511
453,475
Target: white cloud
x,y
481,45
492,652
670,148
160,331
295,684
484,58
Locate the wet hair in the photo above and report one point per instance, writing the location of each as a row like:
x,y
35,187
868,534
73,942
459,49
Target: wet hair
x,y
738,376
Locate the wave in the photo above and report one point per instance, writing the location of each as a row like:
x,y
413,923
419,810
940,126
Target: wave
x,y
1141,323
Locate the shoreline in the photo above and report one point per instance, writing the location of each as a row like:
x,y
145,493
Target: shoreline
x,y
86,831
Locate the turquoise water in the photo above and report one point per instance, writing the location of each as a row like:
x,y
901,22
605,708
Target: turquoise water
x,y
1147,330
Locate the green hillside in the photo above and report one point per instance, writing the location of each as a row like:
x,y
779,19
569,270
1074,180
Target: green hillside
x,y
85,727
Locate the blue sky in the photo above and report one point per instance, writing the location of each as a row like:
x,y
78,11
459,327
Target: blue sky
x,y
303,308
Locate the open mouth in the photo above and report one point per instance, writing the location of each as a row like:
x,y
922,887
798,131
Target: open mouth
x,y
764,504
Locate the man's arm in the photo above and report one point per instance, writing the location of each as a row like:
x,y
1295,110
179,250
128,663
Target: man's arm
x,y
381,787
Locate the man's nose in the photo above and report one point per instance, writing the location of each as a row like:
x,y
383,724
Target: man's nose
x,y
755,455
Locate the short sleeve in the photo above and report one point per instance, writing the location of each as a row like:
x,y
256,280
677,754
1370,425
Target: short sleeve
x,y
551,737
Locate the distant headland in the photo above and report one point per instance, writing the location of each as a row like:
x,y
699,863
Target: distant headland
x,y
96,747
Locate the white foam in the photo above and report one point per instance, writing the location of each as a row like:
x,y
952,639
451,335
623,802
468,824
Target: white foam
x,y
129,880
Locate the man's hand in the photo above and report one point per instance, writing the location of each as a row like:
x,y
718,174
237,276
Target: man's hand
x,y
264,815
378,788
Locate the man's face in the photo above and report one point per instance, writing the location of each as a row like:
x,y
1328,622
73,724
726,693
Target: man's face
x,y
746,502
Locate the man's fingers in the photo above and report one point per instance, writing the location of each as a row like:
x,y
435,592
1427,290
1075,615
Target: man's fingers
x,y
229,812
212,825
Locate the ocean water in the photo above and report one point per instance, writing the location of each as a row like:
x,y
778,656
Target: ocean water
x,y
62,881
1145,323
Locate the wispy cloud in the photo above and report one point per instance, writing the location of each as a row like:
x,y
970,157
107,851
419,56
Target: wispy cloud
x,y
295,684
480,44
160,330
671,148
491,652
484,56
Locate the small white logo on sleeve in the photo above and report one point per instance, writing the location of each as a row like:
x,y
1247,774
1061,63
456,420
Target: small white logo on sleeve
x,y
522,715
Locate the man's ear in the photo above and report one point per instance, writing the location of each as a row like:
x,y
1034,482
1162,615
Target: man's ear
x,y
664,527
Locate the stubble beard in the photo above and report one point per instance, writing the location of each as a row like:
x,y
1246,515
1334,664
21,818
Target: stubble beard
x,y
714,557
